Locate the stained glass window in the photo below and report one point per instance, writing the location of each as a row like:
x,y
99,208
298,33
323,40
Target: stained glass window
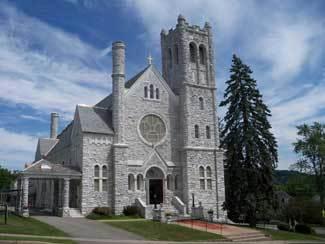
x,y
152,128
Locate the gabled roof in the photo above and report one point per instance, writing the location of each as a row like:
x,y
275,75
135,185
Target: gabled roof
x,y
45,167
150,72
131,81
44,145
107,101
95,119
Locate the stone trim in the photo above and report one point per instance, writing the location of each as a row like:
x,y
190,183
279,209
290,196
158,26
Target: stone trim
x,y
187,148
120,145
200,86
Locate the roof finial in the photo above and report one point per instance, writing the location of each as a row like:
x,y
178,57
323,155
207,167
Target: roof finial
x,y
149,59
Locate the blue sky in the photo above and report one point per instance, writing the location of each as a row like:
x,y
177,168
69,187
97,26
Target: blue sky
x,y
55,54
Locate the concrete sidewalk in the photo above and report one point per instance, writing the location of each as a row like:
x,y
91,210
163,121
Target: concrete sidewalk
x,y
86,228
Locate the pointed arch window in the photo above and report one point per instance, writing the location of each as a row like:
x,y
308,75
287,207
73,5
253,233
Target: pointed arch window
x,y
208,134
140,182
202,53
145,91
151,91
157,93
96,178
209,177
103,179
192,47
201,103
196,131
202,178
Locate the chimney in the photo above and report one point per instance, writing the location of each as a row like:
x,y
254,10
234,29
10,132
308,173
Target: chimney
x,y
54,125
118,78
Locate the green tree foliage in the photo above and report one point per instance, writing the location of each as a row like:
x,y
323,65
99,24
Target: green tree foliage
x,y
251,149
310,146
6,178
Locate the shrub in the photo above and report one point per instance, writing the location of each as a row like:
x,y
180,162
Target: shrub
x,y
304,229
283,226
103,211
130,210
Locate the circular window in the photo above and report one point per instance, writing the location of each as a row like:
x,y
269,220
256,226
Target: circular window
x,y
152,128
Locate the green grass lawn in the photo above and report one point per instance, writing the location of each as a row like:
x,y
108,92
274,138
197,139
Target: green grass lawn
x,y
36,239
28,226
286,235
151,230
113,217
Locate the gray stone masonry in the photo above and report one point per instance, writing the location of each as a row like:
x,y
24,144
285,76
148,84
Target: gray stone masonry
x,y
108,135
54,125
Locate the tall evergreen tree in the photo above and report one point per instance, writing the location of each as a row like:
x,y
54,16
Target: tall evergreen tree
x,y
251,148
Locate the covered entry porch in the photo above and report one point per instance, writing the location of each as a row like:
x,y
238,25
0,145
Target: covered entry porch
x,y
49,188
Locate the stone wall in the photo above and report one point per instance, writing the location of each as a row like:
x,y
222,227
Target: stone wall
x,y
96,151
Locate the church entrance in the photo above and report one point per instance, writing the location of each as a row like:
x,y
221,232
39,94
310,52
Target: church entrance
x,y
155,185
155,191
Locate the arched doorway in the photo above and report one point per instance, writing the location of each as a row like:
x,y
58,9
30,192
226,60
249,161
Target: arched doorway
x,y
155,185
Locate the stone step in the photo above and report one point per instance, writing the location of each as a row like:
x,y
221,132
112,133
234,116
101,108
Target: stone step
x,y
75,213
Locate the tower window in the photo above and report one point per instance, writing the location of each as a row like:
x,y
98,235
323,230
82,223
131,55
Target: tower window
x,y
145,91
208,132
202,52
201,103
170,58
151,91
176,54
157,93
192,52
202,179
196,131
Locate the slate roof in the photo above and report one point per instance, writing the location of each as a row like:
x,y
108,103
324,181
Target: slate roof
x,y
95,119
45,167
131,81
43,147
106,102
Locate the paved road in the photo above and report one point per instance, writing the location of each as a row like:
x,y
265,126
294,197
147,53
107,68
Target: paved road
x,y
86,228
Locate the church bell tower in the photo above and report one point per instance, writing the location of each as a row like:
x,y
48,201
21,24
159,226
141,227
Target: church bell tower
x,y
188,67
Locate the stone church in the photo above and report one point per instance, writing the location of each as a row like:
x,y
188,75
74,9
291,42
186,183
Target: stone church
x,y
153,140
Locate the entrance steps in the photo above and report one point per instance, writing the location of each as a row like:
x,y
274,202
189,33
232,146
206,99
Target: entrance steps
x,y
75,213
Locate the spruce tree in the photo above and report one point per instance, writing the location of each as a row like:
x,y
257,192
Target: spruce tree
x,y
251,148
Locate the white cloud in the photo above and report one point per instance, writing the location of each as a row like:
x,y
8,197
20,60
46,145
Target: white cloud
x,y
47,68
16,148
286,47
225,15
30,117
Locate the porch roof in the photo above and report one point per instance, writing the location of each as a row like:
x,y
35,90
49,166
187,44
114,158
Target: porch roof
x,y
46,169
